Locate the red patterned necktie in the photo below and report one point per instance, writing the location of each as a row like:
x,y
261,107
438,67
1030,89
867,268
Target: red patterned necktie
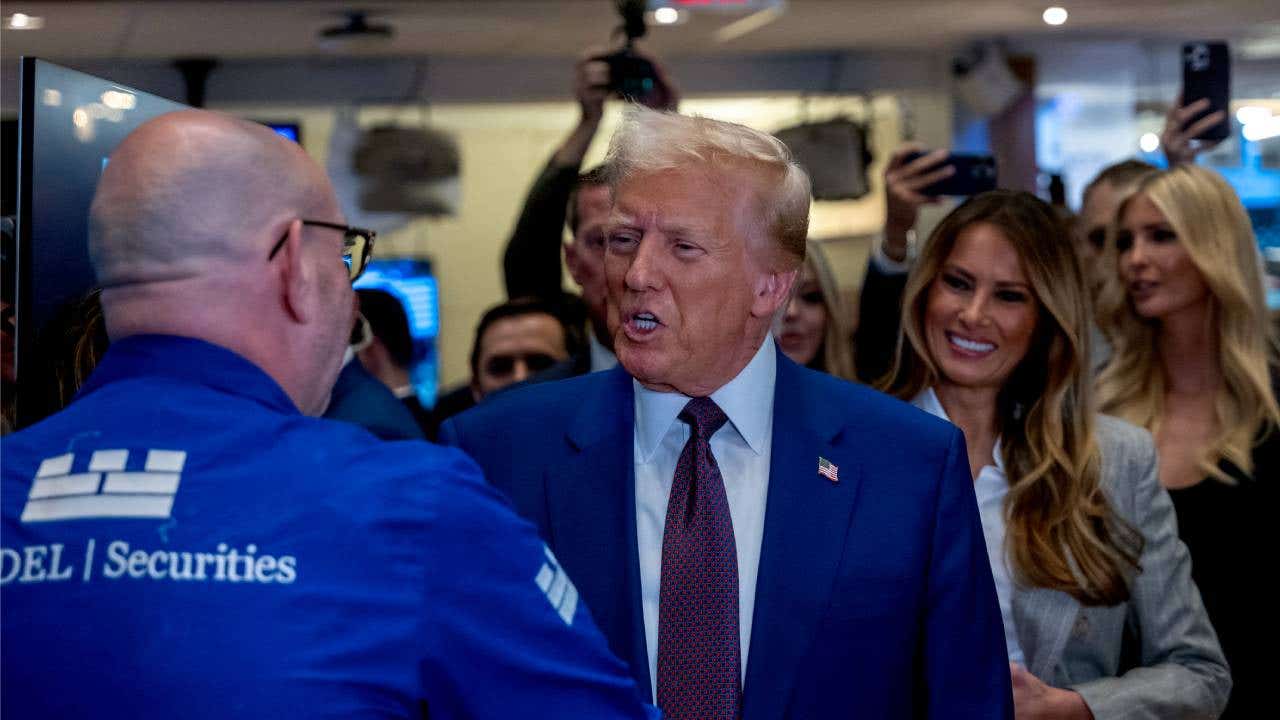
x,y
699,665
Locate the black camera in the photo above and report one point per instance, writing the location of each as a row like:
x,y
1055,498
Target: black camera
x,y
631,77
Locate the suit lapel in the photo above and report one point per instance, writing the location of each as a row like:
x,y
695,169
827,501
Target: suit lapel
x,y
806,522
591,509
1043,619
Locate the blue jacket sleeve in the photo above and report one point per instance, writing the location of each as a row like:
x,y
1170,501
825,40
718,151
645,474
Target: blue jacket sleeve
x,y
966,666
507,634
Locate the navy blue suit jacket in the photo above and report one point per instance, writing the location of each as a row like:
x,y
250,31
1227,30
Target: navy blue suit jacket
x,y
359,397
874,597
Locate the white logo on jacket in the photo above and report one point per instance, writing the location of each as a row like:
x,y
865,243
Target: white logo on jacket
x,y
106,490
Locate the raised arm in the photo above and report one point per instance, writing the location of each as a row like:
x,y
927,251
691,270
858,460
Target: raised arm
x,y
880,300
531,262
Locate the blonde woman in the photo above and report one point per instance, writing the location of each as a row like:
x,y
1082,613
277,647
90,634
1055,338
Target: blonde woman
x,y
814,331
1194,363
1080,535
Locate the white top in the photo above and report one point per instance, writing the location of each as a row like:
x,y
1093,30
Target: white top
x,y
990,486
601,358
741,448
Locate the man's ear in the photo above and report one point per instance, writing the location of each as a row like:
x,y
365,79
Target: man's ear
x,y
772,291
298,281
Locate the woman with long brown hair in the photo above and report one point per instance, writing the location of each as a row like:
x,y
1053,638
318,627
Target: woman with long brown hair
x,y
1195,363
1080,535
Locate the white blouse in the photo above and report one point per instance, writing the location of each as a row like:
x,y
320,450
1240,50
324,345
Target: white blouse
x,y
990,486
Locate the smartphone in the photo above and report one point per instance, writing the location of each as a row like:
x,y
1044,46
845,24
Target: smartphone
x,y
975,174
1206,73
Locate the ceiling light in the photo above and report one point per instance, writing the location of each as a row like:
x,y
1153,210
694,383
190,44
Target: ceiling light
x,y
1149,142
666,16
1055,15
23,21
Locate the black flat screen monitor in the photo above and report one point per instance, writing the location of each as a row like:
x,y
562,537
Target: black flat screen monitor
x,y
68,125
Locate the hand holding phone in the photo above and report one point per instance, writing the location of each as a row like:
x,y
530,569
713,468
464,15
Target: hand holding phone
x,y
971,175
1198,120
1206,75
909,170
1182,130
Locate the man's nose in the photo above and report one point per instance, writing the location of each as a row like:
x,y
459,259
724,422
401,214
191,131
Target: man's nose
x,y
519,371
642,273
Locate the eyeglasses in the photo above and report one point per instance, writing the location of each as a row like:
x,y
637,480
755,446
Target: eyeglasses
x,y
357,246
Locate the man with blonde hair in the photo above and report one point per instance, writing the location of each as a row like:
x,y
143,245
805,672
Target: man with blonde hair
x,y
757,540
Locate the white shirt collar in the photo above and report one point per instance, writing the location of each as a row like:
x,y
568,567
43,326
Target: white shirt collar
x,y
601,358
928,401
747,400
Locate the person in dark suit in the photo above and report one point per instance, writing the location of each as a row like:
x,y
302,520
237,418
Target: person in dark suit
x,y
563,196
360,398
388,352
756,539
514,341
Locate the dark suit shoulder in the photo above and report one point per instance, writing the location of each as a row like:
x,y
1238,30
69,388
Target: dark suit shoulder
x,y
861,408
360,398
531,410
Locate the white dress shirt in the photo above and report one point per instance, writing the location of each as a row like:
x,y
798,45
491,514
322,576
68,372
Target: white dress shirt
x,y
601,357
741,449
990,486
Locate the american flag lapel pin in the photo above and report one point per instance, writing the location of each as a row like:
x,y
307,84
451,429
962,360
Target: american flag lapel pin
x,y
828,469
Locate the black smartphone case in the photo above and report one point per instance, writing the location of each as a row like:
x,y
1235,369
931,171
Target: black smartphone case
x,y
1206,73
975,174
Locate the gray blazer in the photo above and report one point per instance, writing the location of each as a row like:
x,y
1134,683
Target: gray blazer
x,y
1171,666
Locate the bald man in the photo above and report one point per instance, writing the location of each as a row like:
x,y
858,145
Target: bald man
x,y
187,538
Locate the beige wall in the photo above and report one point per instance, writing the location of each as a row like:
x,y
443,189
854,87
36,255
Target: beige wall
x,y
503,146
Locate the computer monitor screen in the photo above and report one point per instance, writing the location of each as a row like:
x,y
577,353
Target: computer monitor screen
x,y
69,123
288,130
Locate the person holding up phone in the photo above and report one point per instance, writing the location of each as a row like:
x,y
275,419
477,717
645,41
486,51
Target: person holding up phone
x,y
1182,127
1198,120
562,196
911,169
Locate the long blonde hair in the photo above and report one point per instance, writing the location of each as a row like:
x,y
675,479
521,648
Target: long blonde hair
x,y
1061,531
1214,229
836,353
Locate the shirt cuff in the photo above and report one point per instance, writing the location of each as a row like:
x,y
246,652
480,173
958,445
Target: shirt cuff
x,y
885,264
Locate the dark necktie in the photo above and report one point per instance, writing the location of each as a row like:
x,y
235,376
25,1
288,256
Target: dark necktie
x,y
699,668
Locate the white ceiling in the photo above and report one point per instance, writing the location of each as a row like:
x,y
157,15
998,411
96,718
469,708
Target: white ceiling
x,y
549,28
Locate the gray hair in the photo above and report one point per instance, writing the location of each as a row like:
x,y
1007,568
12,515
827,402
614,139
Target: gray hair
x,y
649,141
